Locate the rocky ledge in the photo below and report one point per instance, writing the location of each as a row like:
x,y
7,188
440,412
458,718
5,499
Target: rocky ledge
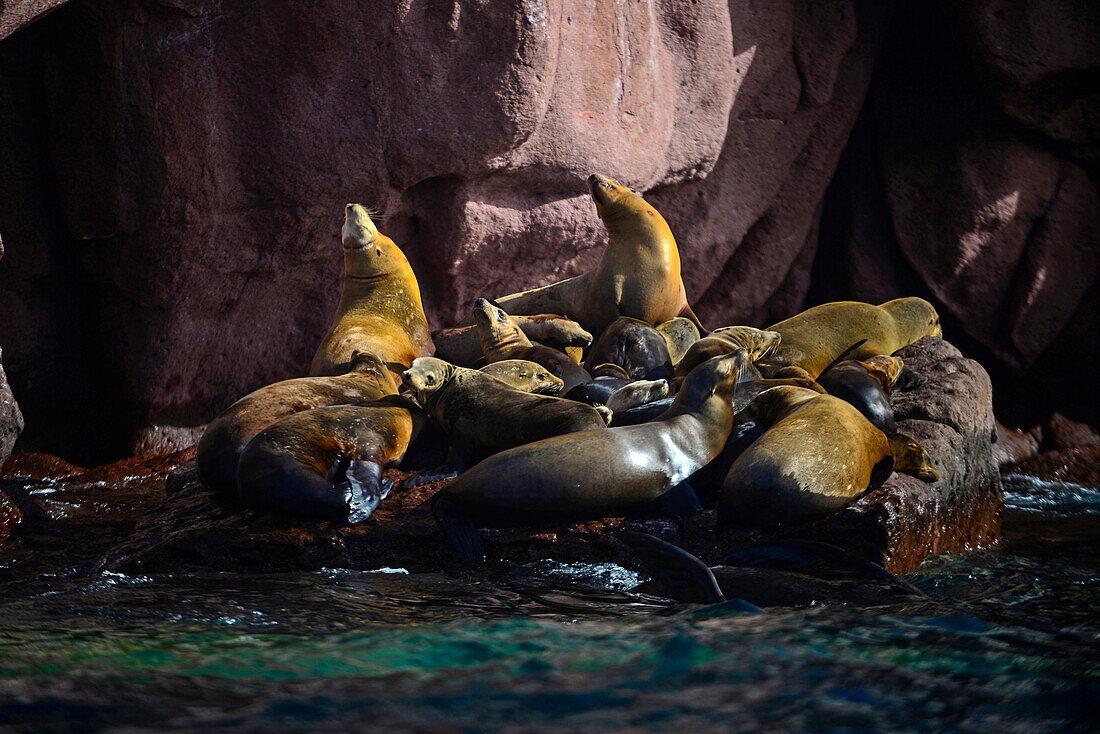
x,y
897,525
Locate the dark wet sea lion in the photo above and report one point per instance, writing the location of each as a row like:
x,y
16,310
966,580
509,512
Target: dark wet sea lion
x,y
619,395
380,309
609,370
483,416
524,376
850,381
637,276
461,347
593,474
792,573
635,346
815,337
326,463
225,437
501,338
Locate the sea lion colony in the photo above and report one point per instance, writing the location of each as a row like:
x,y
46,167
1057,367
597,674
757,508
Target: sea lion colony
x,y
780,425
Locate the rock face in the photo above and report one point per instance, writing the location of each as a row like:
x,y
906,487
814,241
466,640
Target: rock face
x,y
177,171
897,525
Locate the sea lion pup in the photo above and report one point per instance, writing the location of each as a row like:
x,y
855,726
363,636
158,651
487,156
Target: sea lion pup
x,y
326,463
225,437
679,334
759,343
637,276
524,376
790,573
593,474
461,346
380,309
619,395
482,415
815,337
635,346
501,338
817,454
911,458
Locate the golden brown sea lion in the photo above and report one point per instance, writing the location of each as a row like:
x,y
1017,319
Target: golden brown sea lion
x,y
326,463
524,376
225,437
501,338
814,338
817,454
380,309
460,345
679,334
759,343
638,275
596,473
483,415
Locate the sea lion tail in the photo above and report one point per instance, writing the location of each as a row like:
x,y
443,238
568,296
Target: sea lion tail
x,y
841,357
462,533
688,314
682,576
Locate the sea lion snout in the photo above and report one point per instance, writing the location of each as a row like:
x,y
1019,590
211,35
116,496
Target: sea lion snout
x,y
358,229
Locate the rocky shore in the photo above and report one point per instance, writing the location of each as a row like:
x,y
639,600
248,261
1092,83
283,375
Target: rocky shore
x,y
153,516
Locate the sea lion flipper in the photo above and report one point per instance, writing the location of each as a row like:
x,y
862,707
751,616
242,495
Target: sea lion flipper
x,y
841,357
808,557
681,501
909,379
462,533
688,314
365,489
682,576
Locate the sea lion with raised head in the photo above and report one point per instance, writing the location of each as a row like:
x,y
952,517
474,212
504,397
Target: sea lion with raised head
x,y
326,463
637,276
483,416
817,454
592,474
758,343
224,439
635,346
501,338
380,309
461,346
815,337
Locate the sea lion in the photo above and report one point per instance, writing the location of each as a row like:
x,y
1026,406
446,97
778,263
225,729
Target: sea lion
x,y
501,338
461,347
850,381
326,463
524,376
637,276
679,334
885,369
619,395
635,346
596,473
759,343
788,573
817,454
224,439
911,458
815,337
380,309
609,370
483,416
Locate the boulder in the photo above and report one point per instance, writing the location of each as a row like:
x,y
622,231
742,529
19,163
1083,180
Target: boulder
x,y
1065,433
11,419
1039,60
15,14
1015,444
1077,465
897,525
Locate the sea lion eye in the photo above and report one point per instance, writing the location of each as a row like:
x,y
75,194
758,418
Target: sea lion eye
x,y
431,379
501,316
379,251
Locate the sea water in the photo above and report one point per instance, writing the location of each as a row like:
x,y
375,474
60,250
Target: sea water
x,y
1007,642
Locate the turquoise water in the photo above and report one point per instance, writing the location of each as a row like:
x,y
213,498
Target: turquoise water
x,y
1007,642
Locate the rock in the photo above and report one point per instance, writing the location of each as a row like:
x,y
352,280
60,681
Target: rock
x,y
14,14
195,196
1014,444
1039,59
10,518
1078,465
897,525
11,419
1066,433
